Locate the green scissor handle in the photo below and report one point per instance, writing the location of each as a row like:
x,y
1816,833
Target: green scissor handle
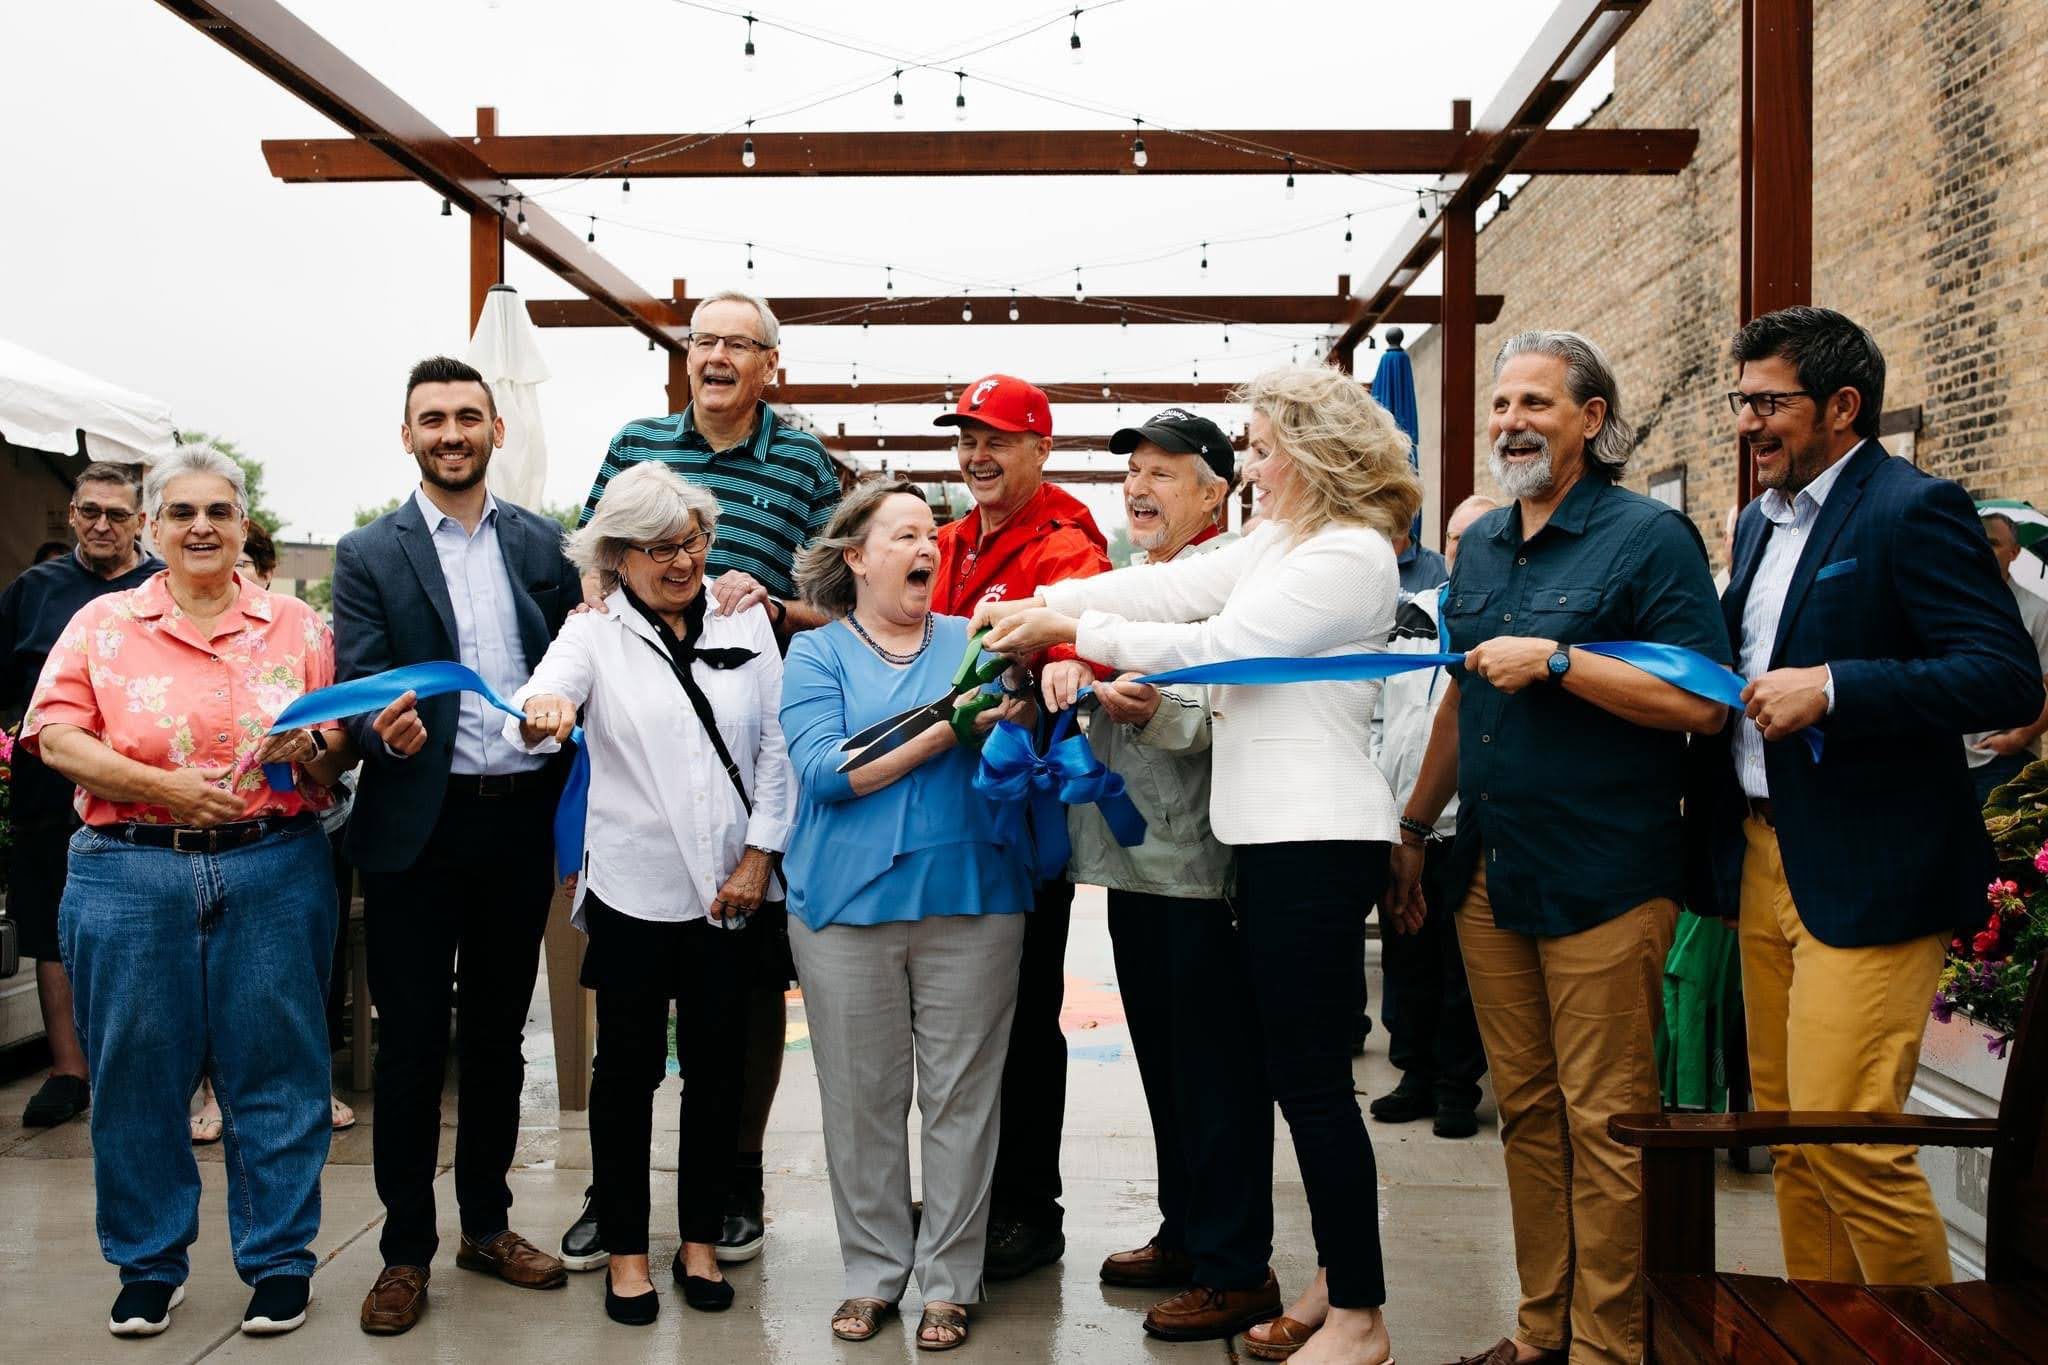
x,y
974,671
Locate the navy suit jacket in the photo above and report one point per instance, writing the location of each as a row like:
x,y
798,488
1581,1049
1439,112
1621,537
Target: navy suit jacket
x,y
391,608
1897,593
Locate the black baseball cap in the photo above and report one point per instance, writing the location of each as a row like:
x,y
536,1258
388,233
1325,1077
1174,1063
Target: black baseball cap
x,y
1183,433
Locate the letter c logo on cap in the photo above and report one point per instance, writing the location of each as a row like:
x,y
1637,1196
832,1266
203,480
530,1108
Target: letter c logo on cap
x,y
981,393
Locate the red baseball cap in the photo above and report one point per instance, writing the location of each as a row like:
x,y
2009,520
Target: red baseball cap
x,y
1004,402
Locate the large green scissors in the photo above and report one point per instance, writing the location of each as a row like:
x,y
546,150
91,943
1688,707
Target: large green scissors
x,y
886,736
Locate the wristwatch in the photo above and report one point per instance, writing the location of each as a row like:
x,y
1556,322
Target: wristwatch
x,y
1559,664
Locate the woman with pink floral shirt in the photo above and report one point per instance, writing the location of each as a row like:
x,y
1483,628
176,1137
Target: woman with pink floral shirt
x,y
198,916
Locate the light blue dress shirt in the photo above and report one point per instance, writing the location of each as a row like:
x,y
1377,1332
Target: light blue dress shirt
x,y
486,636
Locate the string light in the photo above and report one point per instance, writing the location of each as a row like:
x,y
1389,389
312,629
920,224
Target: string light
x,y
1074,39
591,236
1347,233
1014,314
1123,318
966,308
1419,211
1080,294
1138,157
1105,383
899,92
888,279
747,147
1290,177
750,259
960,99
523,228
1226,334
856,371
1205,260
447,209
749,53
626,176
949,388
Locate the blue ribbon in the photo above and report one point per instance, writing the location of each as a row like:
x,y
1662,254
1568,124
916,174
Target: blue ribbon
x,y
1683,668
1067,774
360,696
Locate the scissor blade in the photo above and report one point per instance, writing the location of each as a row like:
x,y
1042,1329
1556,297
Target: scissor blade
x,y
906,729
883,727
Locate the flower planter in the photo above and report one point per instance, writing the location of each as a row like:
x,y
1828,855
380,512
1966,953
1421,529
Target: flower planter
x,y
1958,1077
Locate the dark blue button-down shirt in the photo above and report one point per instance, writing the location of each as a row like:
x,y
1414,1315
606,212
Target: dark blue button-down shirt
x,y
1575,809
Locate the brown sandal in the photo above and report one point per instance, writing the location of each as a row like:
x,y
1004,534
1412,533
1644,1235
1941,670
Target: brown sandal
x,y
868,1312
1288,1337
947,1319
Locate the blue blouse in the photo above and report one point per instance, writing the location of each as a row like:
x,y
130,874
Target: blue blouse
x,y
926,844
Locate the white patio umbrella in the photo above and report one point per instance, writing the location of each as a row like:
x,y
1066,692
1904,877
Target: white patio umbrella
x,y
506,353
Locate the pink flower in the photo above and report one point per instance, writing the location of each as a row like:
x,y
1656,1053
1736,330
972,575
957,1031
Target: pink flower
x,y
2041,860
1986,942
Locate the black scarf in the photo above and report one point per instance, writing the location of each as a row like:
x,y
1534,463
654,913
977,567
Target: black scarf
x,y
684,650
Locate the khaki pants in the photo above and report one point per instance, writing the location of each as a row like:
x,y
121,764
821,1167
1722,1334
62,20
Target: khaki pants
x,y
1570,1030
1838,1028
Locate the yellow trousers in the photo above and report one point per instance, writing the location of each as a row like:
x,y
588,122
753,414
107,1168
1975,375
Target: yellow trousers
x,y
1570,1025
1838,1028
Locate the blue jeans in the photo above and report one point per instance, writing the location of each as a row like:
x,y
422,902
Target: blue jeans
x,y
186,964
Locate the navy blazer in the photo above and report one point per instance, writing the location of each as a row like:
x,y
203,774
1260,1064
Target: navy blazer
x,y
391,608
1896,591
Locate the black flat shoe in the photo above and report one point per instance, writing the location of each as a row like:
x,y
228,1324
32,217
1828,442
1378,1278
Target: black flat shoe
x,y
706,1296
638,1311
61,1099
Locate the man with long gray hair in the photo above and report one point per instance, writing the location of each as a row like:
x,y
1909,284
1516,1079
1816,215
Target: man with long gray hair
x,y
1567,864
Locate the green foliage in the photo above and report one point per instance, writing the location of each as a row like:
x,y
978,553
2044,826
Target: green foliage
x,y
366,515
252,476
1989,968
319,595
1120,547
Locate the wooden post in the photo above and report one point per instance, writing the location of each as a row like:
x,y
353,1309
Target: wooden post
x,y
677,390
486,238
1460,328
1776,166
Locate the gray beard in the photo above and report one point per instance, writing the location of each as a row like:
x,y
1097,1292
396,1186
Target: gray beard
x,y
1531,479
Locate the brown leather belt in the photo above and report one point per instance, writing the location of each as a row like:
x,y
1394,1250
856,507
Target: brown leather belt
x,y
212,839
1760,807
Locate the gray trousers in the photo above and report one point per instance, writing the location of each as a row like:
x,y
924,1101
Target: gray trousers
x,y
925,1001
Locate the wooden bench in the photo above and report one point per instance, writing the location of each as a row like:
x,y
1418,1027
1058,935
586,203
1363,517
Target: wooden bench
x,y
1697,1315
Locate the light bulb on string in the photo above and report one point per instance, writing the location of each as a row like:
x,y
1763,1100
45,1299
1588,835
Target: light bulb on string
x,y
1105,385
1226,334
1205,260
960,99
855,382
747,147
1123,319
888,279
523,228
949,388
1138,157
626,176
591,236
750,259
1290,177
447,209
1080,294
748,53
966,308
1074,39
898,101
1347,233
1014,314
1419,212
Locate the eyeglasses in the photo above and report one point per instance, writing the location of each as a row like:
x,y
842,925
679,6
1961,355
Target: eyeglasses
x,y
1764,404
691,545
184,513
704,343
90,513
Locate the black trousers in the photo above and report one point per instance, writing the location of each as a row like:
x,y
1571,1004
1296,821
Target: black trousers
x,y
1181,970
1432,1036
473,905
706,971
1026,1188
1303,908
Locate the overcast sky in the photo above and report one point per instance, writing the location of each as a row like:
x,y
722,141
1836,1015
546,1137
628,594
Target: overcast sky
x,y
145,242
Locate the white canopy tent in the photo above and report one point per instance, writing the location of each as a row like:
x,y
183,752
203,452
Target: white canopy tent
x,y
51,407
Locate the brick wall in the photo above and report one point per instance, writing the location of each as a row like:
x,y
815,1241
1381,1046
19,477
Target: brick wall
x,y
1930,228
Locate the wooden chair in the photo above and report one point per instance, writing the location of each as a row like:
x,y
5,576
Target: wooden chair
x,y
1696,1315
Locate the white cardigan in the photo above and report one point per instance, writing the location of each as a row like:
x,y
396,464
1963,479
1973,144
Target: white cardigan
x,y
665,827
1292,761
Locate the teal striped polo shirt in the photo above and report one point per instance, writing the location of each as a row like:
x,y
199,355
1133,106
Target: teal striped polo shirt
x,y
774,493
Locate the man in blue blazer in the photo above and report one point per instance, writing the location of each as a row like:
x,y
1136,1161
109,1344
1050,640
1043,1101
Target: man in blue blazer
x,y
1866,609
452,829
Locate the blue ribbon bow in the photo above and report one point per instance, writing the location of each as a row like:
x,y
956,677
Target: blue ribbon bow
x,y
360,696
1068,773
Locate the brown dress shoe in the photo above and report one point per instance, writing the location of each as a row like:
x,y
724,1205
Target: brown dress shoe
x,y
1504,1352
1204,1314
395,1301
1151,1266
514,1260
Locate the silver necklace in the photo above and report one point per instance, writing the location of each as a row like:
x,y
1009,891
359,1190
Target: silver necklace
x,y
888,655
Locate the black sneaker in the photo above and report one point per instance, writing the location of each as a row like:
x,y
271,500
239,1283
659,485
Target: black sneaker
x,y
277,1306
1018,1248
581,1249
61,1099
745,1231
1403,1104
144,1308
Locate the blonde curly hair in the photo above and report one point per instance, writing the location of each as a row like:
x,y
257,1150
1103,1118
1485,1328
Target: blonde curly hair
x,y
1350,459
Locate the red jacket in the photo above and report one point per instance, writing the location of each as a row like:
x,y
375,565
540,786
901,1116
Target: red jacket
x,y
1050,538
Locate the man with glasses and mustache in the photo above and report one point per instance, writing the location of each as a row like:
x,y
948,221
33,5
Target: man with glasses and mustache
x,y
776,488
1568,861
1864,602
453,830
106,517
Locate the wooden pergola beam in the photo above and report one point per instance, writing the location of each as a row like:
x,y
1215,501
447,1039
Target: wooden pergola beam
x,y
1003,152
933,393
412,146
993,310
891,445
940,474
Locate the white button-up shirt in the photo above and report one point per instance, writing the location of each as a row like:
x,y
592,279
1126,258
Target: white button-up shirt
x,y
1791,527
665,827
486,635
